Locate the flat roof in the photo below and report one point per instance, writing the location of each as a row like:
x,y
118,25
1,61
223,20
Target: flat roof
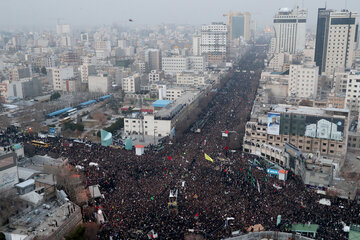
x,y
26,173
87,103
47,179
25,183
41,219
171,110
161,103
282,108
59,111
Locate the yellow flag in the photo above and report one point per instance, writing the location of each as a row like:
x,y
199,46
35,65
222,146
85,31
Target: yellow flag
x,y
208,158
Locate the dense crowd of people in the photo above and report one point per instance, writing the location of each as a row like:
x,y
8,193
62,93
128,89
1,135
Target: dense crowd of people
x,y
215,198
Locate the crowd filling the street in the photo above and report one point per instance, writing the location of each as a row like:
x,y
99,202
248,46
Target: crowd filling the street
x,y
216,189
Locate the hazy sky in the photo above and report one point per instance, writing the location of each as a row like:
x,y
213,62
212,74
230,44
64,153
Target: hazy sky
x,y
95,12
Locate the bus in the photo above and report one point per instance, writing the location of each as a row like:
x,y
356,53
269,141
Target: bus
x,y
65,120
39,143
116,146
71,112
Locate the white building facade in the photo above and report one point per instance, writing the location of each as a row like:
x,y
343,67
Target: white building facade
x,y
214,42
131,84
303,81
290,30
151,126
352,98
173,65
100,83
191,79
340,51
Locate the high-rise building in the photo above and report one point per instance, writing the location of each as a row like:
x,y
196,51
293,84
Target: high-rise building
x,y
153,59
214,42
290,30
239,25
196,45
336,37
102,49
63,29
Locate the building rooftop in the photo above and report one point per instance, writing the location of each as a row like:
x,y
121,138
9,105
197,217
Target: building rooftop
x,y
26,173
46,178
25,183
161,103
282,108
172,109
41,221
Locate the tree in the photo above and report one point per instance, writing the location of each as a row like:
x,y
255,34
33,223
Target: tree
x,y
2,236
43,70
119,124
55,96
74,126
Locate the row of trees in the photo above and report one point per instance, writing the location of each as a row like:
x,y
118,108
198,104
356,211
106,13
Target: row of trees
x,y
74,126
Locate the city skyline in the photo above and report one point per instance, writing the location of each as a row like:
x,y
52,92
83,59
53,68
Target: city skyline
x,y
38,13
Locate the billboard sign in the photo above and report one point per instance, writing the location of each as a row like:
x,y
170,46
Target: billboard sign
x,y
272,171
326,128
273,123
52,130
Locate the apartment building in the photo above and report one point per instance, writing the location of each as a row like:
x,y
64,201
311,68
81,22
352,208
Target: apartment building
x,y
173,93
86,70
173,65
131,84
352,98
60,74
190,78
100,83
155,76
336,38
303,81
214,42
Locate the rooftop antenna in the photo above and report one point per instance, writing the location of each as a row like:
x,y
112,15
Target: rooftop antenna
x,y
325,4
